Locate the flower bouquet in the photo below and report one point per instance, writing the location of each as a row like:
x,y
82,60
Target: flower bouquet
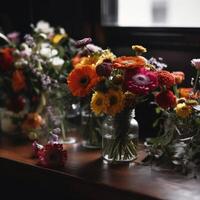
x,y
125,82
30,72
177,144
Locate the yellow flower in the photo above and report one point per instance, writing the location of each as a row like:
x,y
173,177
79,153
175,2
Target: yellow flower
x,y
87,60
139,49
182,110
105,55
98,103
95,59
57,38
115,101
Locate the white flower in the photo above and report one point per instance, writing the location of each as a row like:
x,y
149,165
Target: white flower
x,y
57,62
47,51
44,27
26,51
196,63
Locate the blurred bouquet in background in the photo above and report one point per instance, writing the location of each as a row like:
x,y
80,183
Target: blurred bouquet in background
x,y
177,144
31,71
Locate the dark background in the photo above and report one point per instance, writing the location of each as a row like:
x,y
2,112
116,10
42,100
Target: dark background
x,y
81,18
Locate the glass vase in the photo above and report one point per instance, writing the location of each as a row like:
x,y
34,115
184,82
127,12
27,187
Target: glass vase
x,y
120,137
63,112
91,129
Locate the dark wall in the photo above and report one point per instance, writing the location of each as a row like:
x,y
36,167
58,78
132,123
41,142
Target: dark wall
x,y
78,17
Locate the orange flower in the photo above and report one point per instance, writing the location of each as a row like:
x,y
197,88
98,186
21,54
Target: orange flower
x,y
188,93
82,80
32,121
179,77
18,81
166,78
128,62
75,60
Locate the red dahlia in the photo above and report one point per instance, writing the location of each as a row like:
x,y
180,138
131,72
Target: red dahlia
x,y
166,99
166,78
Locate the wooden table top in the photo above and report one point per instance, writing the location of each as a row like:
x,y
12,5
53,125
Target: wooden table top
x,y
86,171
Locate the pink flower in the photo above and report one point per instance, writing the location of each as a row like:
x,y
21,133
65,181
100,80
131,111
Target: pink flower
x,y
196,63
140,81
52,155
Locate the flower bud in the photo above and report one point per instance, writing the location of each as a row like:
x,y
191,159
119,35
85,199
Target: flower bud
x,y
104,69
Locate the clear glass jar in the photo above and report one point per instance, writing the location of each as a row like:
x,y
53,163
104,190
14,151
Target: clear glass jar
x,y
91,129
120,137
63,112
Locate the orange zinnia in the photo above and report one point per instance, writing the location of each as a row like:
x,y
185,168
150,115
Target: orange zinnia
x,y
18,81
81,80
179,77
188,93
128,62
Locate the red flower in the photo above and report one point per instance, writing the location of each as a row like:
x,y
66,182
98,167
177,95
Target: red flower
x,y
166,78
166,99
18,80
140,81
52,155
6,58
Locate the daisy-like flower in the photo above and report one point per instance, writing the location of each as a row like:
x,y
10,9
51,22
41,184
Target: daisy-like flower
x,y
196,63
183,110
115,100
98,103
129,62
52,155
140,81
82,80
166,99
18,81
166,78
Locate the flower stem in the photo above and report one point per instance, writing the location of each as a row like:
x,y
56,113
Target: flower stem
x,y
196,81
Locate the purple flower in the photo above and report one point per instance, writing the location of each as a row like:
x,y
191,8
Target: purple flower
x,y
83,42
